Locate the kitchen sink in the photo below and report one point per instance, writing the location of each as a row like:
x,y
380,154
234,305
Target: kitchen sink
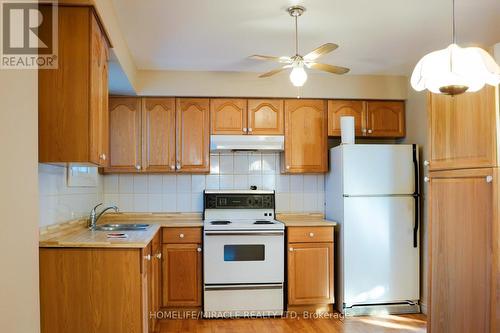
x,y
122,227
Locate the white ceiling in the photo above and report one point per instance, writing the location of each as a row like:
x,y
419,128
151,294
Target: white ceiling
x,y
375,37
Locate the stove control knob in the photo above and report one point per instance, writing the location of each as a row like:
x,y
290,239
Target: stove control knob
x,y
181,235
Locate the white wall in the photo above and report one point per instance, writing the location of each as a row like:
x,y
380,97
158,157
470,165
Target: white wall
x,y
185,83
19,300
183,193
416,132
60,203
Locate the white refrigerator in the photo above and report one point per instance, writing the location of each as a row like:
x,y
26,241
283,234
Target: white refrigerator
x,y
372,191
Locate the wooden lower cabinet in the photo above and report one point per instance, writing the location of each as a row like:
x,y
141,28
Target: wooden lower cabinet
x,y
154,278
464,251
102,290
182,275
310,267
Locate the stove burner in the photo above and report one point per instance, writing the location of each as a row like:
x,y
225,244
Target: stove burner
x,y
220,222
263,222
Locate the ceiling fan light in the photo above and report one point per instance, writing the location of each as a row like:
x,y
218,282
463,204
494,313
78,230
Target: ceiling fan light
x,y
455,70
298,76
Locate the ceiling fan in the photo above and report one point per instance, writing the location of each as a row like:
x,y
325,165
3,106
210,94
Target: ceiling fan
x,y
298,75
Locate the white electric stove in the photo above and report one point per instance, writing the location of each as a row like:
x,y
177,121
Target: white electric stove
x,y
243,254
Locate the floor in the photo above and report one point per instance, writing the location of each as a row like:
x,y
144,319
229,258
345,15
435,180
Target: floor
x,y
383,324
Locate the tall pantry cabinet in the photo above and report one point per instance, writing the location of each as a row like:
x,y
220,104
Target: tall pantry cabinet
x,y
463,178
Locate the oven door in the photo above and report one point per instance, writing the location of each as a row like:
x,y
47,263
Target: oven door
x,y
243,256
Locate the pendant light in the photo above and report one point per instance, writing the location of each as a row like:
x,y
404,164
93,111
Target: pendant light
x,y
455,70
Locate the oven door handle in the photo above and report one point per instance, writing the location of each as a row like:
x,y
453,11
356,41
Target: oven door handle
x,y
243,287
244,233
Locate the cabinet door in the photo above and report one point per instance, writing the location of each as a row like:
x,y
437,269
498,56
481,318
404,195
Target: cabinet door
x,y
125,134
462,130
340,108
182,278
385,119
310,273
158,134
305,136
265,117
155,289
98,115
228,116
463,247
193,135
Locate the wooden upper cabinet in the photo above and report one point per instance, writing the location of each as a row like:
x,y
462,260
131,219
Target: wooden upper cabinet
x,y
341,108
228,116
305,136
463,130
158,134
385,119
72,99
125,134
182,276
310,273
193,135
266,117
464,251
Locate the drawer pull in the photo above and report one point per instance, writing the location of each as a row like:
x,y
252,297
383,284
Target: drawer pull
x,y
311,234
181,235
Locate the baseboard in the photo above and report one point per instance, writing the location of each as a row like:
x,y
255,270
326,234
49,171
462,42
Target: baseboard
x,y
311,308
423,308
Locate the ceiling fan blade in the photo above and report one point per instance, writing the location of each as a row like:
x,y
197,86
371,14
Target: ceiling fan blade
x,y
320,51
271,58
274,71
328,68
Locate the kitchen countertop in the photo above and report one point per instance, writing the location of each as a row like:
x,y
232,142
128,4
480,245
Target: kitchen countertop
x,y
75,234
305,220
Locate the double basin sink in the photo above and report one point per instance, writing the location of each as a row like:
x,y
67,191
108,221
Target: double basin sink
x,y
122,227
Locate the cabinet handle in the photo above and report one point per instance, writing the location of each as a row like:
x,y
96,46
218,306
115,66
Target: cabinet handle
x,y
103,157
426,163
489,179
249,129
311,234
287,167
148,257
138,167
363,130
427,179
370,131
158,255
181,235
172,167
244,129
290,249
198,249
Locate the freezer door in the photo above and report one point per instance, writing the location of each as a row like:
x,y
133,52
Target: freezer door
x,y
381,264
378,169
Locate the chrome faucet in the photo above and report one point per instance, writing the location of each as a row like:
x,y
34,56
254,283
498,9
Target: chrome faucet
x,y
94,217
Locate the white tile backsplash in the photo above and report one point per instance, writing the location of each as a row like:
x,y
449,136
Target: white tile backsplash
x,y
183,192
60,203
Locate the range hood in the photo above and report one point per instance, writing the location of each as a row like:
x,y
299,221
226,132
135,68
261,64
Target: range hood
x,y
247,142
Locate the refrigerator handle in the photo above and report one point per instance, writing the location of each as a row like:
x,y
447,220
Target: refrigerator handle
x,y
416,195
417,218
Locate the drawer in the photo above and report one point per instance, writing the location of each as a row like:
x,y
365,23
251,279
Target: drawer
x,y
181,235
309,234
